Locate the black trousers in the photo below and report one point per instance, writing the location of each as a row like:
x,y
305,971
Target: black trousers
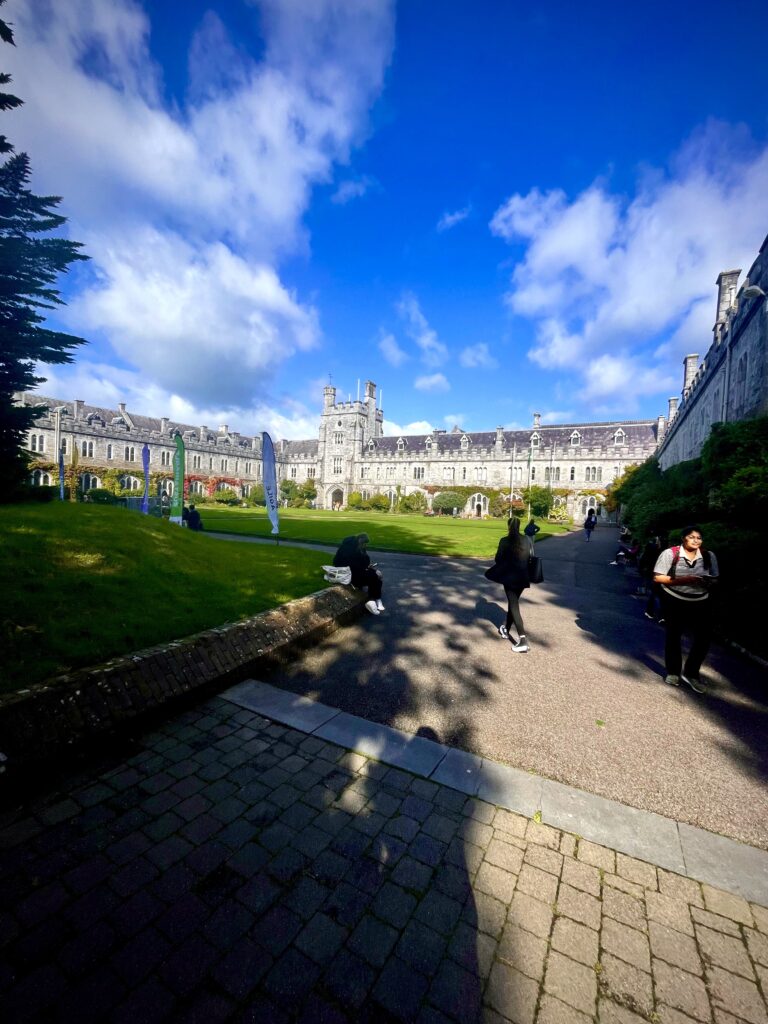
x,y
371,580
513,609
693,618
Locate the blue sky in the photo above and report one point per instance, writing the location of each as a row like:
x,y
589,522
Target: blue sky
x,y
488,208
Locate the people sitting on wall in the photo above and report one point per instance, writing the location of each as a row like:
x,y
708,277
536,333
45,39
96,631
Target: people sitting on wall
x,y
194,522
627,553
353,552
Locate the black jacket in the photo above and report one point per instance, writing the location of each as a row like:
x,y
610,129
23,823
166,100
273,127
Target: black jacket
x,y
358,561
512,563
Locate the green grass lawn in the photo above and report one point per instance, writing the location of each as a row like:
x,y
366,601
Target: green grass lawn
x,y
425,535
82,583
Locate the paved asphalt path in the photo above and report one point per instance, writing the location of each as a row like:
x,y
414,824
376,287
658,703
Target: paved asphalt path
x,y
587,706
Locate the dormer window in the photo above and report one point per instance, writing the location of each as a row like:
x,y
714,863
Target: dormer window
x,y
619,437
535,440
428,443
400,444
575,439
465,442
371,445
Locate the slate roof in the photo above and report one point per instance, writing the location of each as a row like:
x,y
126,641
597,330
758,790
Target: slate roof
x,y
639,433
148,424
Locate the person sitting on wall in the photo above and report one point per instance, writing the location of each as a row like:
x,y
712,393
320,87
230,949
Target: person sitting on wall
x,y
184,516
353,552
194,522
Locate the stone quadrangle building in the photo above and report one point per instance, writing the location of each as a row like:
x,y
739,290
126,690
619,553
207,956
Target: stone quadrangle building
x,y
351,454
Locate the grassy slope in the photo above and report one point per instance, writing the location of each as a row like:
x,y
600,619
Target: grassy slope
x,y
81,583
430,535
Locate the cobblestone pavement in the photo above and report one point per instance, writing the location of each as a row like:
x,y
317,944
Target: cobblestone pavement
x,y
233,869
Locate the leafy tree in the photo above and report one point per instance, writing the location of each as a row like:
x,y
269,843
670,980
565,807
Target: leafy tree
x,y
379,503
29,266
288,489
540,499
415,502
308,490
447,501
257,495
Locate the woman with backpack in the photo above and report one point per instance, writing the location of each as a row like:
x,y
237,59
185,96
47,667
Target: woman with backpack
x,y
511,568
686,574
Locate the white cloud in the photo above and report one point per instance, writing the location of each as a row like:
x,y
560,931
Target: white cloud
x,y
450,220
188,208
555,416
392,429
107,385
620,288
198,320
433,351
391,351
455,419
352,188
432,382
478,357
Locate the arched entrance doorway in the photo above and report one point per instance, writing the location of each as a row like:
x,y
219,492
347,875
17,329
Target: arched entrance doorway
x,y
478,504
337,498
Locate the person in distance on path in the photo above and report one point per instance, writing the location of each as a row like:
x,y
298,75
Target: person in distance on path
x,y
686,573
532,529
510,568
590,523
353,552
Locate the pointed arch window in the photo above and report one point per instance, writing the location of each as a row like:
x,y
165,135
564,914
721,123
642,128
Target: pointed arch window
x,y
535,440
465,442
619,437
400,444
428,443
575,439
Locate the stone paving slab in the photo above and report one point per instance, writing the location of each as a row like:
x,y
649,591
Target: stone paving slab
x,y
669,844
234,869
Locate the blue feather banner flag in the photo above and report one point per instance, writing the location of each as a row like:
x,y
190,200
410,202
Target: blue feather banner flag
x,y
145,461
269,474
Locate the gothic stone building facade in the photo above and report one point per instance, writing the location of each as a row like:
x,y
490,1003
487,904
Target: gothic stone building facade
x,y
731,383
350,454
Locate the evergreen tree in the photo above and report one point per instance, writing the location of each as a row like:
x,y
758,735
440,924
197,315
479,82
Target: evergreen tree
x,y
29,266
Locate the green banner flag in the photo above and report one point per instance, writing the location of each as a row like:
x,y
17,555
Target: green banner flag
x,y
177,501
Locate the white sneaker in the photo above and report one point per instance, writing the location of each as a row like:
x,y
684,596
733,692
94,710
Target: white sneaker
x,y
520,646
379,605
504,632
371,607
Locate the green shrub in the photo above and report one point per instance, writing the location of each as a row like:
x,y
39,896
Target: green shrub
x,y
257,496
226,496
41,494
416,502
101,496
379,503
447,501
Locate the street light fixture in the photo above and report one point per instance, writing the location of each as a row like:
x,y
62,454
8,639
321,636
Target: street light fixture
x,y
753,291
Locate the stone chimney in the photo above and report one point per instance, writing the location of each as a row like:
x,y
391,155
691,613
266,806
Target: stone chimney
x,y
499,437
727,284
164,425
672,410
691,365
77,407
203,433
661,427
536,420
329,396
223,429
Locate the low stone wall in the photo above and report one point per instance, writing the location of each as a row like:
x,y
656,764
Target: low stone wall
x,y
51,718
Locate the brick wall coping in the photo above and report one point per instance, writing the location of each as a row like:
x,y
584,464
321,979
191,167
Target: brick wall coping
x,y
51,718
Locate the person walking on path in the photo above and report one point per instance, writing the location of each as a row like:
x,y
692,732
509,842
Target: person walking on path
x,y
686,573
590,523
532,529
510,568
353,552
